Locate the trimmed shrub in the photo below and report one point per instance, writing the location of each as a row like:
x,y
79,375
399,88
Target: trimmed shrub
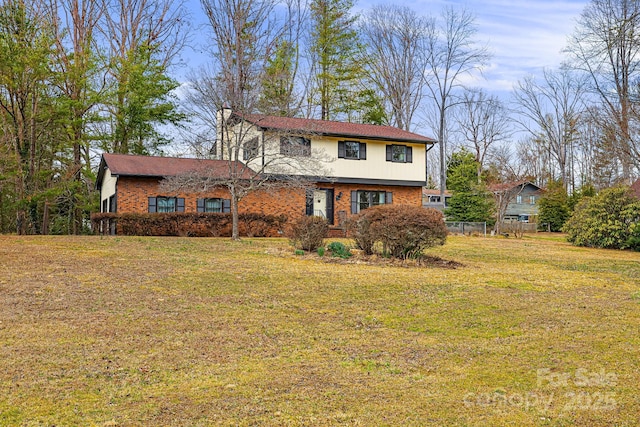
x,y
261,225
308,232
606,220
187,224
402,231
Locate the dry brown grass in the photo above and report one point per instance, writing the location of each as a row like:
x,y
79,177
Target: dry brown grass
x,y
172,331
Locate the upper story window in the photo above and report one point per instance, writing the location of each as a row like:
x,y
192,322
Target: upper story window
x,y
250,150
353,150
532,200
399,154
519,199
295,146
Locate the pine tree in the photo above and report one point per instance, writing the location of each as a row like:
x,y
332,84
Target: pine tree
x,y
470,201
554,207
141,99
334,47
277,95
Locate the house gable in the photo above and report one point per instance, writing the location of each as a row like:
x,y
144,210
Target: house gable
x,y
523,198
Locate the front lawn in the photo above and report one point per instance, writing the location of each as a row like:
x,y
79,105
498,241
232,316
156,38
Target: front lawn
x,y
128,331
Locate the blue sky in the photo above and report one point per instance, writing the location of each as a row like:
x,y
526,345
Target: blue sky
x,y
523,36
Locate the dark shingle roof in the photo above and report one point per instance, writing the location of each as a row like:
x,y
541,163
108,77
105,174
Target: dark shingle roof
x,y
507,186
149,166
325,127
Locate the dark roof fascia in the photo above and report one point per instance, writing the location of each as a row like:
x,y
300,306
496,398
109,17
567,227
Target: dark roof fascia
x,y
390,182
135,175
356,181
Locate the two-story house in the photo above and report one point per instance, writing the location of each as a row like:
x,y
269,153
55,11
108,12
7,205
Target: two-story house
x,y
517,201
353,166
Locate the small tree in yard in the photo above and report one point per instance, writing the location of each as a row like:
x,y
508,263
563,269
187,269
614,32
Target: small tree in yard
x,y
554,207
470,200
503,195
403,231
222,97
252,163
607,220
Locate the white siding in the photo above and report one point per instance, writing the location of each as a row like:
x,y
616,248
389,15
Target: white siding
x,y
325,151
108,188
324,159
375,166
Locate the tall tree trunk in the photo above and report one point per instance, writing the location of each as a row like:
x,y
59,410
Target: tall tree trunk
x,y
443,154
235,232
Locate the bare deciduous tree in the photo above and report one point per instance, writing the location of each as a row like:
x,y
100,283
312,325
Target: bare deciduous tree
x,y
395,38
534,159
605,46
503,195
129,24
483,122
550,111
452,53
244,34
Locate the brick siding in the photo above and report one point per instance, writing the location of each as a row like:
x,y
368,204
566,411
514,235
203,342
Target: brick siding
x,y
132,197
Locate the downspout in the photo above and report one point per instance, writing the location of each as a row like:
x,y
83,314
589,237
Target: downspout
x,y
115,197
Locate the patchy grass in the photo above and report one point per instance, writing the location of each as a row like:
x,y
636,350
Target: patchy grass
x,y
172,331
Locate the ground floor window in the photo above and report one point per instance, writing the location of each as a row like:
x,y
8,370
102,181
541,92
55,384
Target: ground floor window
x,y
166,204
362,199
214,205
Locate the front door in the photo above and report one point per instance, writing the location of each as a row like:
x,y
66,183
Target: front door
x,y
320,203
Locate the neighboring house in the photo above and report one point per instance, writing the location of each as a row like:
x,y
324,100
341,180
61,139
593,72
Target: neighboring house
x,y
362,166
431,199
517,201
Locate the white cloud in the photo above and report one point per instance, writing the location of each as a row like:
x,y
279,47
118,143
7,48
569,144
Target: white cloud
x,y
524,36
